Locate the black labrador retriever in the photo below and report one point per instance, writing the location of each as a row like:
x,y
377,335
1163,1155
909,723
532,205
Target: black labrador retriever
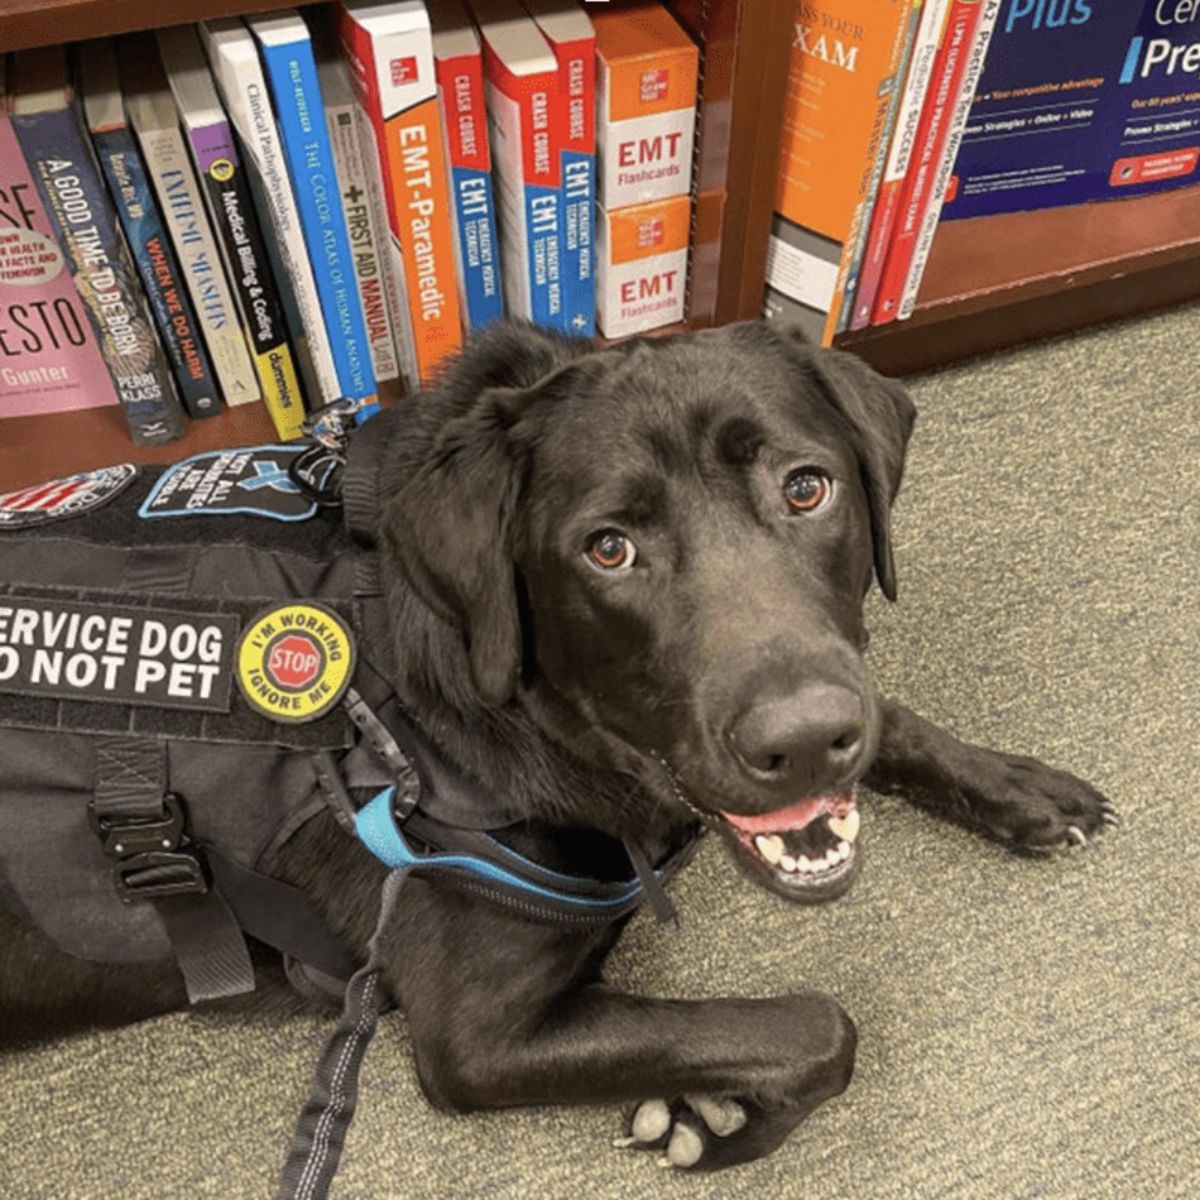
x,y
628,586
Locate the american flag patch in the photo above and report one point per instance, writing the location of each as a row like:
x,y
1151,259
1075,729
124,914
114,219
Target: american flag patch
x,y
62,498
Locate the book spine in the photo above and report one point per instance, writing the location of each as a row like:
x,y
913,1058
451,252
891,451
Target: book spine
x,y
69,183
247,99
130,190
529,174
292,75
244,254
933,210
365,244
393,76
883,221
885,98
577,121
906,38
464,121
931,138
183,212
51,358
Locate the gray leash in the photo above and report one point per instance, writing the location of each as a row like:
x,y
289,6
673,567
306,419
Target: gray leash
x,y
320,1134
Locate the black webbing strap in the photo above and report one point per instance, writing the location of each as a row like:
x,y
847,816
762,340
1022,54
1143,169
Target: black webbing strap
x,y
320,1135
141,825
656,894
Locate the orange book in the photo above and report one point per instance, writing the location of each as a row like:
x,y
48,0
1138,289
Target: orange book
x,y
847,56
390,51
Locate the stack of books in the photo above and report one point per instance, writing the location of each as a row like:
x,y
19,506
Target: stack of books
x,y
291,208
902,113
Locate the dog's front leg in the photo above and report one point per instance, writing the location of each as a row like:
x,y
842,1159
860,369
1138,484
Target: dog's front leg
x,y
503,1013
1017,800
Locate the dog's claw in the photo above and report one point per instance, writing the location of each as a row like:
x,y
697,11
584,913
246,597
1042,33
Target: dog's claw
x,y
623,1143
1075,834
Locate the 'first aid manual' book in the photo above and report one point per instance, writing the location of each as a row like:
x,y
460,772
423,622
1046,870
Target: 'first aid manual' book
x,y
291,72
1082,100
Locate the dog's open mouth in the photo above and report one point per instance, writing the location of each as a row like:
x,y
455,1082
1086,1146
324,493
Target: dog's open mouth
x,y
806,852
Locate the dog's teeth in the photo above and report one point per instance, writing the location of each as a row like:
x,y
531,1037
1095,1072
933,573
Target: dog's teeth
x,y
832,857
771,848
787,862
845,827
843,849
818,865
803,865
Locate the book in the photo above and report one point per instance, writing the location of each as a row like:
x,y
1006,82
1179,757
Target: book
x,y
1081,102
237,69
842,84
883,219
56,148
291,71
345,120
573,43
944,89
642,259
646,77
458,61
389,50
129,188
155,122
989,11
226,195
520,84
50,359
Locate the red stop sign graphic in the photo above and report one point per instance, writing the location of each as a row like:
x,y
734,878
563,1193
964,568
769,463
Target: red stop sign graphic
x,y
294,661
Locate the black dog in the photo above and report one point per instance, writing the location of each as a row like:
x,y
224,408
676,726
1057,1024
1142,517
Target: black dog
x,y
626,587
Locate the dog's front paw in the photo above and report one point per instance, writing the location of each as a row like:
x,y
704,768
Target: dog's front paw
x,y
1033,807
706,1133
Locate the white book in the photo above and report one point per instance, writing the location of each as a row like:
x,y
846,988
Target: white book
x,y
958,122
233,56
345,121
155,122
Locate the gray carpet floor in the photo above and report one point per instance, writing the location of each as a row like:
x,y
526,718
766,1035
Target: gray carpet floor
x,y
1028,1029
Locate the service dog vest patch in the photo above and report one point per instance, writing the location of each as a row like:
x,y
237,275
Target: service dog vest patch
x,y
252,481
59,499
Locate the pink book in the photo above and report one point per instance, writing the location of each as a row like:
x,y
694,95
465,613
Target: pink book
x,y
49,359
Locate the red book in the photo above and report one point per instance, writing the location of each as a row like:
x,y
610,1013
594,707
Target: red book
x,y
945,86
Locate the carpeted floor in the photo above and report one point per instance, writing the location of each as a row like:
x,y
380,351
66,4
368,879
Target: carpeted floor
x,y
1027,1029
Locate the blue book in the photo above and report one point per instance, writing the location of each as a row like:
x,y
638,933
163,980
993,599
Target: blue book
x,y
55,144
1081,101
129,186
292,76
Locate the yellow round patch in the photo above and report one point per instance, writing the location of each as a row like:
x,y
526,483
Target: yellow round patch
x,y
221,169
295,662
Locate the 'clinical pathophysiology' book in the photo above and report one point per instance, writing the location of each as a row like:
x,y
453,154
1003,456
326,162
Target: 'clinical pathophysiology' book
x,y
231,210
155,120
55,144
573,41
50,360
291,71
347,129
129,188
233,56
458,60
521,85
389,49
1081,102
843,82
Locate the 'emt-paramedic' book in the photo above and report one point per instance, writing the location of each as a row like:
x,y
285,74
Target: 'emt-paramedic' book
x,y
231,209
50,360
842,85
55,143
129,187
1082,100
291,71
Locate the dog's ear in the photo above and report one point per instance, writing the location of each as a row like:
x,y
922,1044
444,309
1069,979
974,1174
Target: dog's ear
x,y
451,531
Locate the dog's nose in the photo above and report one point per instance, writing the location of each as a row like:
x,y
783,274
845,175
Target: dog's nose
x,y
807,739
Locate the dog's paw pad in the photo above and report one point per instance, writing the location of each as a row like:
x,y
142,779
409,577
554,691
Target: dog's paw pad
x,y
722,1116
681,1129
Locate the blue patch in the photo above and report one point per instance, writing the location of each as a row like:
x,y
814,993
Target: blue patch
x,y
249,481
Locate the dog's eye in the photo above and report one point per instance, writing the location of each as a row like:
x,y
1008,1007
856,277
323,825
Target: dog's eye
x,y
611,550
807,489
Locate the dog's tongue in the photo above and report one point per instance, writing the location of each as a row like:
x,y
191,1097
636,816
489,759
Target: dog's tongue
x,y
795,816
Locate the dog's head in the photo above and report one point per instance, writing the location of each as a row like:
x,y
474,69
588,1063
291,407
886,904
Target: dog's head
x,y
662,550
